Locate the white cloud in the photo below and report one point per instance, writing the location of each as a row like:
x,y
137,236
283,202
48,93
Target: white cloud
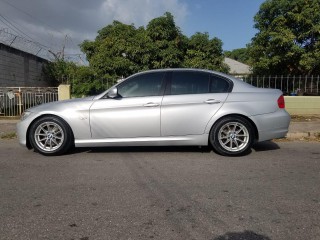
x,y
140,12
49,21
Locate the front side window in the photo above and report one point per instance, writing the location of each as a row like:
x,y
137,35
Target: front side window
x,y
142,85
189,83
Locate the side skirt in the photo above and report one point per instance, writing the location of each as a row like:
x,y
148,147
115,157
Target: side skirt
x,y
190,140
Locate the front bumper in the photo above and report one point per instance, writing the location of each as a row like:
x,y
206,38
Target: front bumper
x,y
22,129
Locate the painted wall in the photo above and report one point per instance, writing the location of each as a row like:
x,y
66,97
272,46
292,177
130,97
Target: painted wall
x,y
303,105
21,69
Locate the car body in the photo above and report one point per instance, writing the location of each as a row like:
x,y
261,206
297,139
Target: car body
x,y
165,107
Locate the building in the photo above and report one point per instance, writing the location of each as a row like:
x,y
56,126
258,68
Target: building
x,y
237,69
21,69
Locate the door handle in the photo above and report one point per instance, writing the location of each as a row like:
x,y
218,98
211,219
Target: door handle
x,y
151,104
212,101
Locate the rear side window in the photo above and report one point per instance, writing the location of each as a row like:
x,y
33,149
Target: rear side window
x,y
189,83
148,84
219,84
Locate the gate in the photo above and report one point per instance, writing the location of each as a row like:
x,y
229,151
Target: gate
x,y
14,100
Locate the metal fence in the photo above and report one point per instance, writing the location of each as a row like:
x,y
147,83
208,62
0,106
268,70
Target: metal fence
x,y
289,85
14,100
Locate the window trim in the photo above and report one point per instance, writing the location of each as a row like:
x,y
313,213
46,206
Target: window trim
x,y
229,90
169,82
161,90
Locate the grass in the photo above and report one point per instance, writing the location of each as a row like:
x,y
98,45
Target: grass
x,y
9,135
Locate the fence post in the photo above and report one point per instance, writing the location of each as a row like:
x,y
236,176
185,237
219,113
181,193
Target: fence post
x,y
305,84
294,78
318,85
20,102
63,92
300,82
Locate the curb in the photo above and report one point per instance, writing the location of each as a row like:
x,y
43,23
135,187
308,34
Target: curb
x,y
299,135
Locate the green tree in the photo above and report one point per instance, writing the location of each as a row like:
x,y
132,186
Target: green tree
x,y
205,53
85,82
119,50
168,42
59,70
288,41
239,54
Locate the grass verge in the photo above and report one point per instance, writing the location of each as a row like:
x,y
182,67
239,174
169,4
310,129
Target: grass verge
x,y
9,135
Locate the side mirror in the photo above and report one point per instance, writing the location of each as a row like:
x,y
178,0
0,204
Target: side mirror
x,y
112,93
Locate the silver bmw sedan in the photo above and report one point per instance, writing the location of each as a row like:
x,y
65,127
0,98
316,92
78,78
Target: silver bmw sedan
x,y
166,107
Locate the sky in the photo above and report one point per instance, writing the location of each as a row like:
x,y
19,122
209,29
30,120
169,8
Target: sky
x,y
53,24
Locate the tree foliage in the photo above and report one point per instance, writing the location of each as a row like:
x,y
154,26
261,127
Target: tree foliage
x,y
288,41
168,43
120,50
239,54
200,51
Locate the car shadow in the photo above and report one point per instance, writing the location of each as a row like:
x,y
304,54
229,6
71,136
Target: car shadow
x,y
203,149
265,146
246,235
258,147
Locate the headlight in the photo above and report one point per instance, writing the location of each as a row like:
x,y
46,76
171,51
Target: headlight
x,y
25,115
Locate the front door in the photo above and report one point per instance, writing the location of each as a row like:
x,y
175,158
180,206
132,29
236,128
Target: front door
x,y
134,113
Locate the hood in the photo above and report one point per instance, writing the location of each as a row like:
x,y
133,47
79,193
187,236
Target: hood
x,y
61,104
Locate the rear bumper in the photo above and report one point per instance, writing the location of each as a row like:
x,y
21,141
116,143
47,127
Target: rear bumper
x,y
272,125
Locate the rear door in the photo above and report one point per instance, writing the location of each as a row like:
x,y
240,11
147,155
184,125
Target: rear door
x,y
190,101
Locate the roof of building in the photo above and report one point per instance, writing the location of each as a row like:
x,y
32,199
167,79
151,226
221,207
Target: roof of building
x,y
237,68
18,51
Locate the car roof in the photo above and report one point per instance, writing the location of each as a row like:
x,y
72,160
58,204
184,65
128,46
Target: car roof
x,y
238,84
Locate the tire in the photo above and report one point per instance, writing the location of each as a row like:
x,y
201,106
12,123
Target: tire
x,y
232,136
51,136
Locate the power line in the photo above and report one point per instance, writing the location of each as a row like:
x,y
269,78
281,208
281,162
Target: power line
x,y
39,20
10,4
16,29
34,48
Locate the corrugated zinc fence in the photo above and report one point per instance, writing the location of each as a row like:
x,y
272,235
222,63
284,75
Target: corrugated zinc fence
x,y
289,85
14,100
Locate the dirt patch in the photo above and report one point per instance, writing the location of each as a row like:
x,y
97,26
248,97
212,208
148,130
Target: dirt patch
x,y
7,127
307,118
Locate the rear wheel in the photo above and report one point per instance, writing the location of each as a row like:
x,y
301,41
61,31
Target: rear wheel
x,y
50,135
232,136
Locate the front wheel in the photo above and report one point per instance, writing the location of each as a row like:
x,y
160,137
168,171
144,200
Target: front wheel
x,y
50,135
232,136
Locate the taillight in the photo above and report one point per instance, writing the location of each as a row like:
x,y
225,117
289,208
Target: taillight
x,y
281,103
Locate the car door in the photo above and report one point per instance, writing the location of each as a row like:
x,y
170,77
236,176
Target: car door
x,y
190,101
134,113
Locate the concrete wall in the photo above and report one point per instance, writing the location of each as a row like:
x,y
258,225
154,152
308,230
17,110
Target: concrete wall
x,y
21,69
303,105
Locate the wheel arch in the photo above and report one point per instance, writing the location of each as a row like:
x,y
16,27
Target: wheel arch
x,y
255,129
28,144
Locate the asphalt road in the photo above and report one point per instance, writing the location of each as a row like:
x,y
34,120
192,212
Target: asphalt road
x,y
161,193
